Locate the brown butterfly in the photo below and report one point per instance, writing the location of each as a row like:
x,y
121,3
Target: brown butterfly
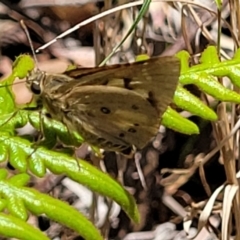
x,y
112,107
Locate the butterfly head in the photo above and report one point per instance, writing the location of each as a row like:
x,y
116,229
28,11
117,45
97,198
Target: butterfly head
x,y
35,81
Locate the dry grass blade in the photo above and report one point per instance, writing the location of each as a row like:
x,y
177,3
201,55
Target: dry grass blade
x,y
229,194
206,213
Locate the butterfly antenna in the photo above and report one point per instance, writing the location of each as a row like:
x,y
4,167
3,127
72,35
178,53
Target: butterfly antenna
x,y
23,25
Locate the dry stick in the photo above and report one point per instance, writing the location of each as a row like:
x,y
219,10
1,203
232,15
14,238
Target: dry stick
x,y
233,18
229,166
185,30
192,30
235,22
200,161
204,181
202,27
110,11
209,37
92,19
222,143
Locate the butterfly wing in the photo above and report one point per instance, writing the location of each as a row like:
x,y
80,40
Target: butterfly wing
x,y
155,78
111,117
117,106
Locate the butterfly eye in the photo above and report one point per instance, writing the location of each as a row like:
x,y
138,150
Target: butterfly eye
x,y
35,88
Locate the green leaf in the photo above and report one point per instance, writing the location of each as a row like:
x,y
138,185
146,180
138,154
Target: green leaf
x,y
187,101
204,74
22,66
175,121
23,199
40,159
12,227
